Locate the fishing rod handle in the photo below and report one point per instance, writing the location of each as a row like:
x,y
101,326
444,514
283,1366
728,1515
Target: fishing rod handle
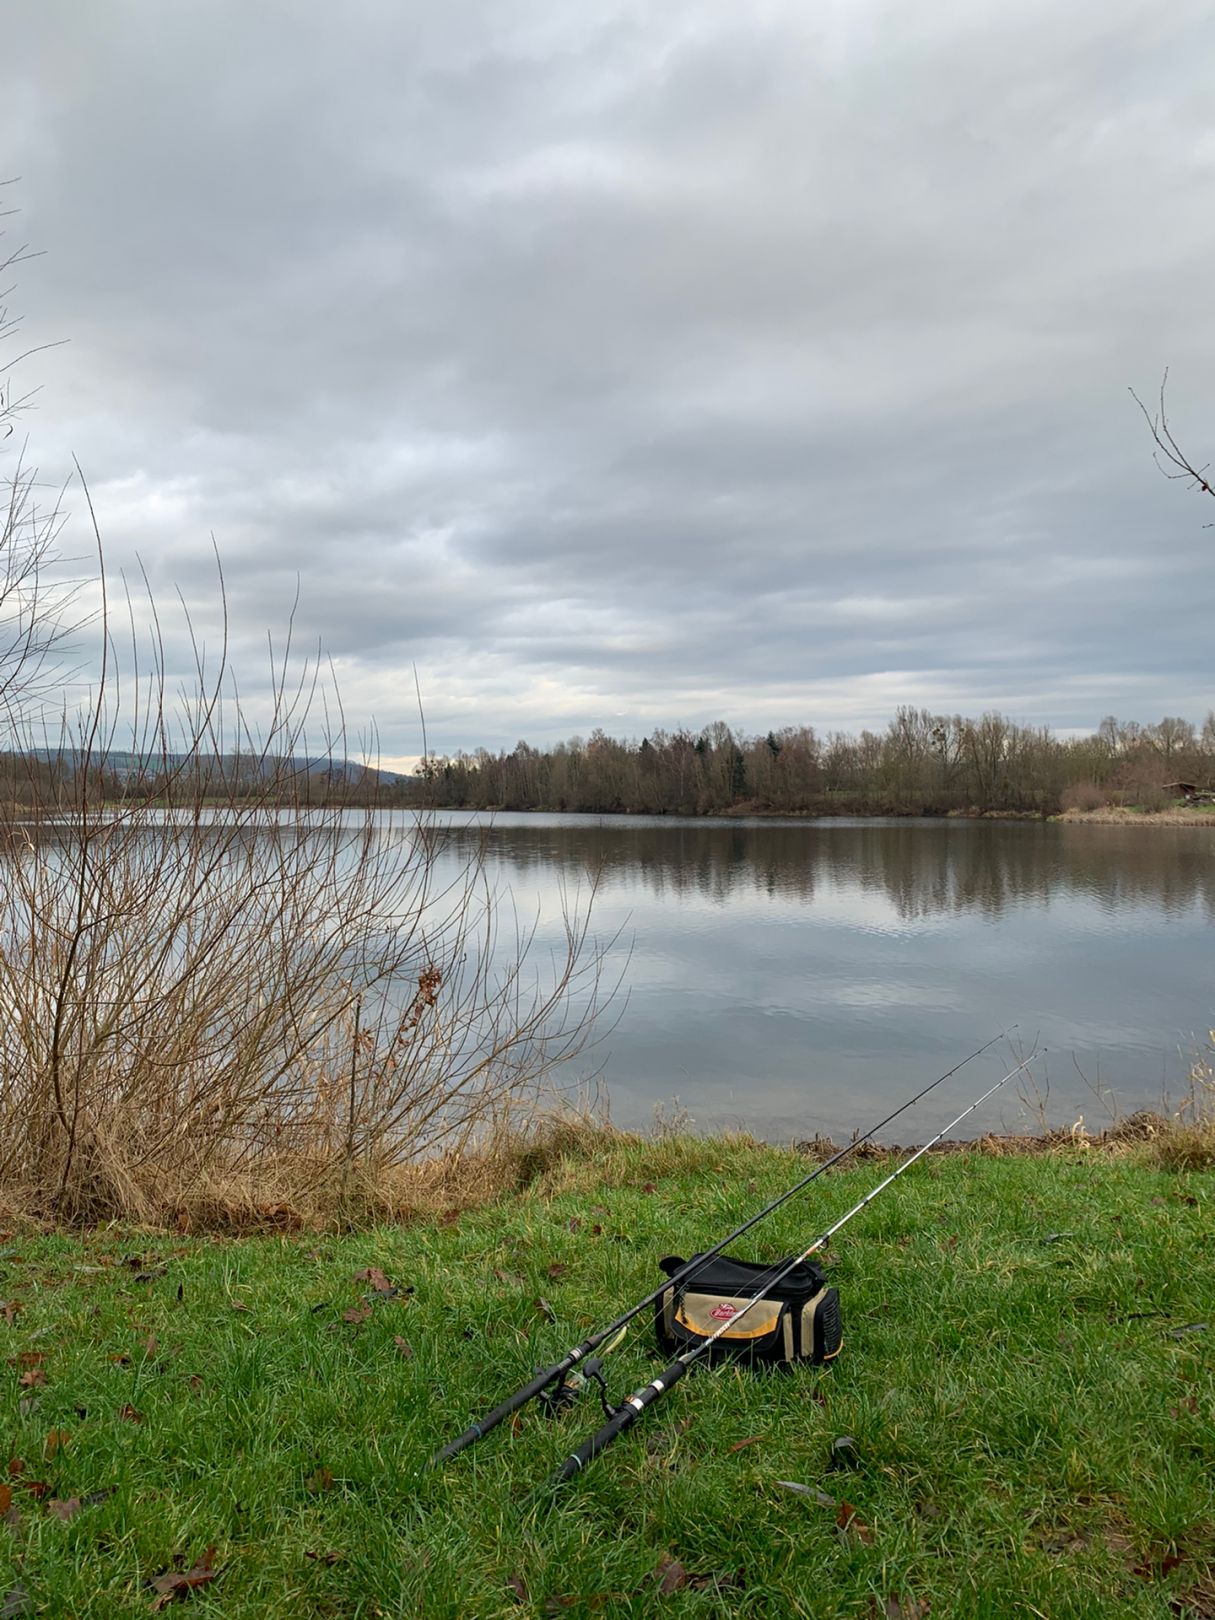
x,y
510,1405
624,1419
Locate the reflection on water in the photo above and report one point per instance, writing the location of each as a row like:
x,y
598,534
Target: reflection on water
x,y
793,976
921,868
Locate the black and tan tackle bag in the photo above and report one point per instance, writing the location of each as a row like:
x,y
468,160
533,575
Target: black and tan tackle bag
x,y
796,1319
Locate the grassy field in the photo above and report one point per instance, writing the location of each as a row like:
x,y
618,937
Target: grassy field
x,y
1028,1382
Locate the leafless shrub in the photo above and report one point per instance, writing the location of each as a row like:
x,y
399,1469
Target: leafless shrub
x,y
204,975
1084,796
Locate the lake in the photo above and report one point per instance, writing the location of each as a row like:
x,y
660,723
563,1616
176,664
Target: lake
x,y
799,976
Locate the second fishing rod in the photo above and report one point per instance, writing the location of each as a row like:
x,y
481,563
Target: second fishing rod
x,y
550,1379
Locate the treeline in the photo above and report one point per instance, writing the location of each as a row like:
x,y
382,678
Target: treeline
x,y
921,764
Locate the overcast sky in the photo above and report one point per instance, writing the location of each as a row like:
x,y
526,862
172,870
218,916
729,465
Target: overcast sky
x,y
638,365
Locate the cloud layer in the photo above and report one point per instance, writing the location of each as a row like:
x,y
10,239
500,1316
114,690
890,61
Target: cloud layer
x,y
636,365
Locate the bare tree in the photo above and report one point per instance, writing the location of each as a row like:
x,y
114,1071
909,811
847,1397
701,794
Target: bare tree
x,y
1172,460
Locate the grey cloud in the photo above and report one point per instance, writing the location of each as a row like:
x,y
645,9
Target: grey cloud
x,y
633,365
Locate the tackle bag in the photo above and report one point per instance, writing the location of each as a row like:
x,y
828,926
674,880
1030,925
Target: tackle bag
x,y
795,1319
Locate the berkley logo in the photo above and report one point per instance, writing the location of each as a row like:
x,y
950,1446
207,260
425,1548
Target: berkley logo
x,y
723,1313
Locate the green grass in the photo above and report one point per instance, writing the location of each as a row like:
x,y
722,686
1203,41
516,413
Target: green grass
x,y
1034,1436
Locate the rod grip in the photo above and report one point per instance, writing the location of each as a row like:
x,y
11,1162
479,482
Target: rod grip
x,y
509,1406
616,1425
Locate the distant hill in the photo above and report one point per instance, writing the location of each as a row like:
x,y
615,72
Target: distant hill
x,y
127,763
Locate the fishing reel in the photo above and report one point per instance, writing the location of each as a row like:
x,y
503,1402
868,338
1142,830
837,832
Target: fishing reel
x,y
563,1392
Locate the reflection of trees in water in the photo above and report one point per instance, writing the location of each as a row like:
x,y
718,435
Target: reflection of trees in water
x,y
922,871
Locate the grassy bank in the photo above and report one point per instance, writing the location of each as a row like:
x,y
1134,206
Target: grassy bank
x,y
1028,1391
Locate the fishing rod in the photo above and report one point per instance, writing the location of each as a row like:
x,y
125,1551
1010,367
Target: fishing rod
x,y
626,1415
555,1375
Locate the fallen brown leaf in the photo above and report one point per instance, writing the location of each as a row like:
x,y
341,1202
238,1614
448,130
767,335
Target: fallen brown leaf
x,y
1151,1568
129,1413
321,1480
557,1269
356,1314
906,1608
38,1488
6,1498
27,1358
846,1518
377,1279
64,1510
649,1187
519,1587
330,1558
16,1601
669,1574
173,1583
751,1440
56,1440
16,1465
34,1379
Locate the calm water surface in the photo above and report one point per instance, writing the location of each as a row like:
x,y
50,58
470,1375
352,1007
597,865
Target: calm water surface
x,y
799,976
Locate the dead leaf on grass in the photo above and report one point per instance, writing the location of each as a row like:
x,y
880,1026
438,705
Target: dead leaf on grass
x,y
512,1278
357,1314
519,1587
751,1440
56,1440
846,1519
320,1480
906,1608
6,1498
16,1601
669,1575
65,1510
27,1358
34,1379
130,1415
328,1558
377,1279
173,1584
1151,1569
403,1346
557,1269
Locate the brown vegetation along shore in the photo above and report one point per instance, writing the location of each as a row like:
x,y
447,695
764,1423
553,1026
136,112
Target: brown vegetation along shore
x,y
1117,815
552,1154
